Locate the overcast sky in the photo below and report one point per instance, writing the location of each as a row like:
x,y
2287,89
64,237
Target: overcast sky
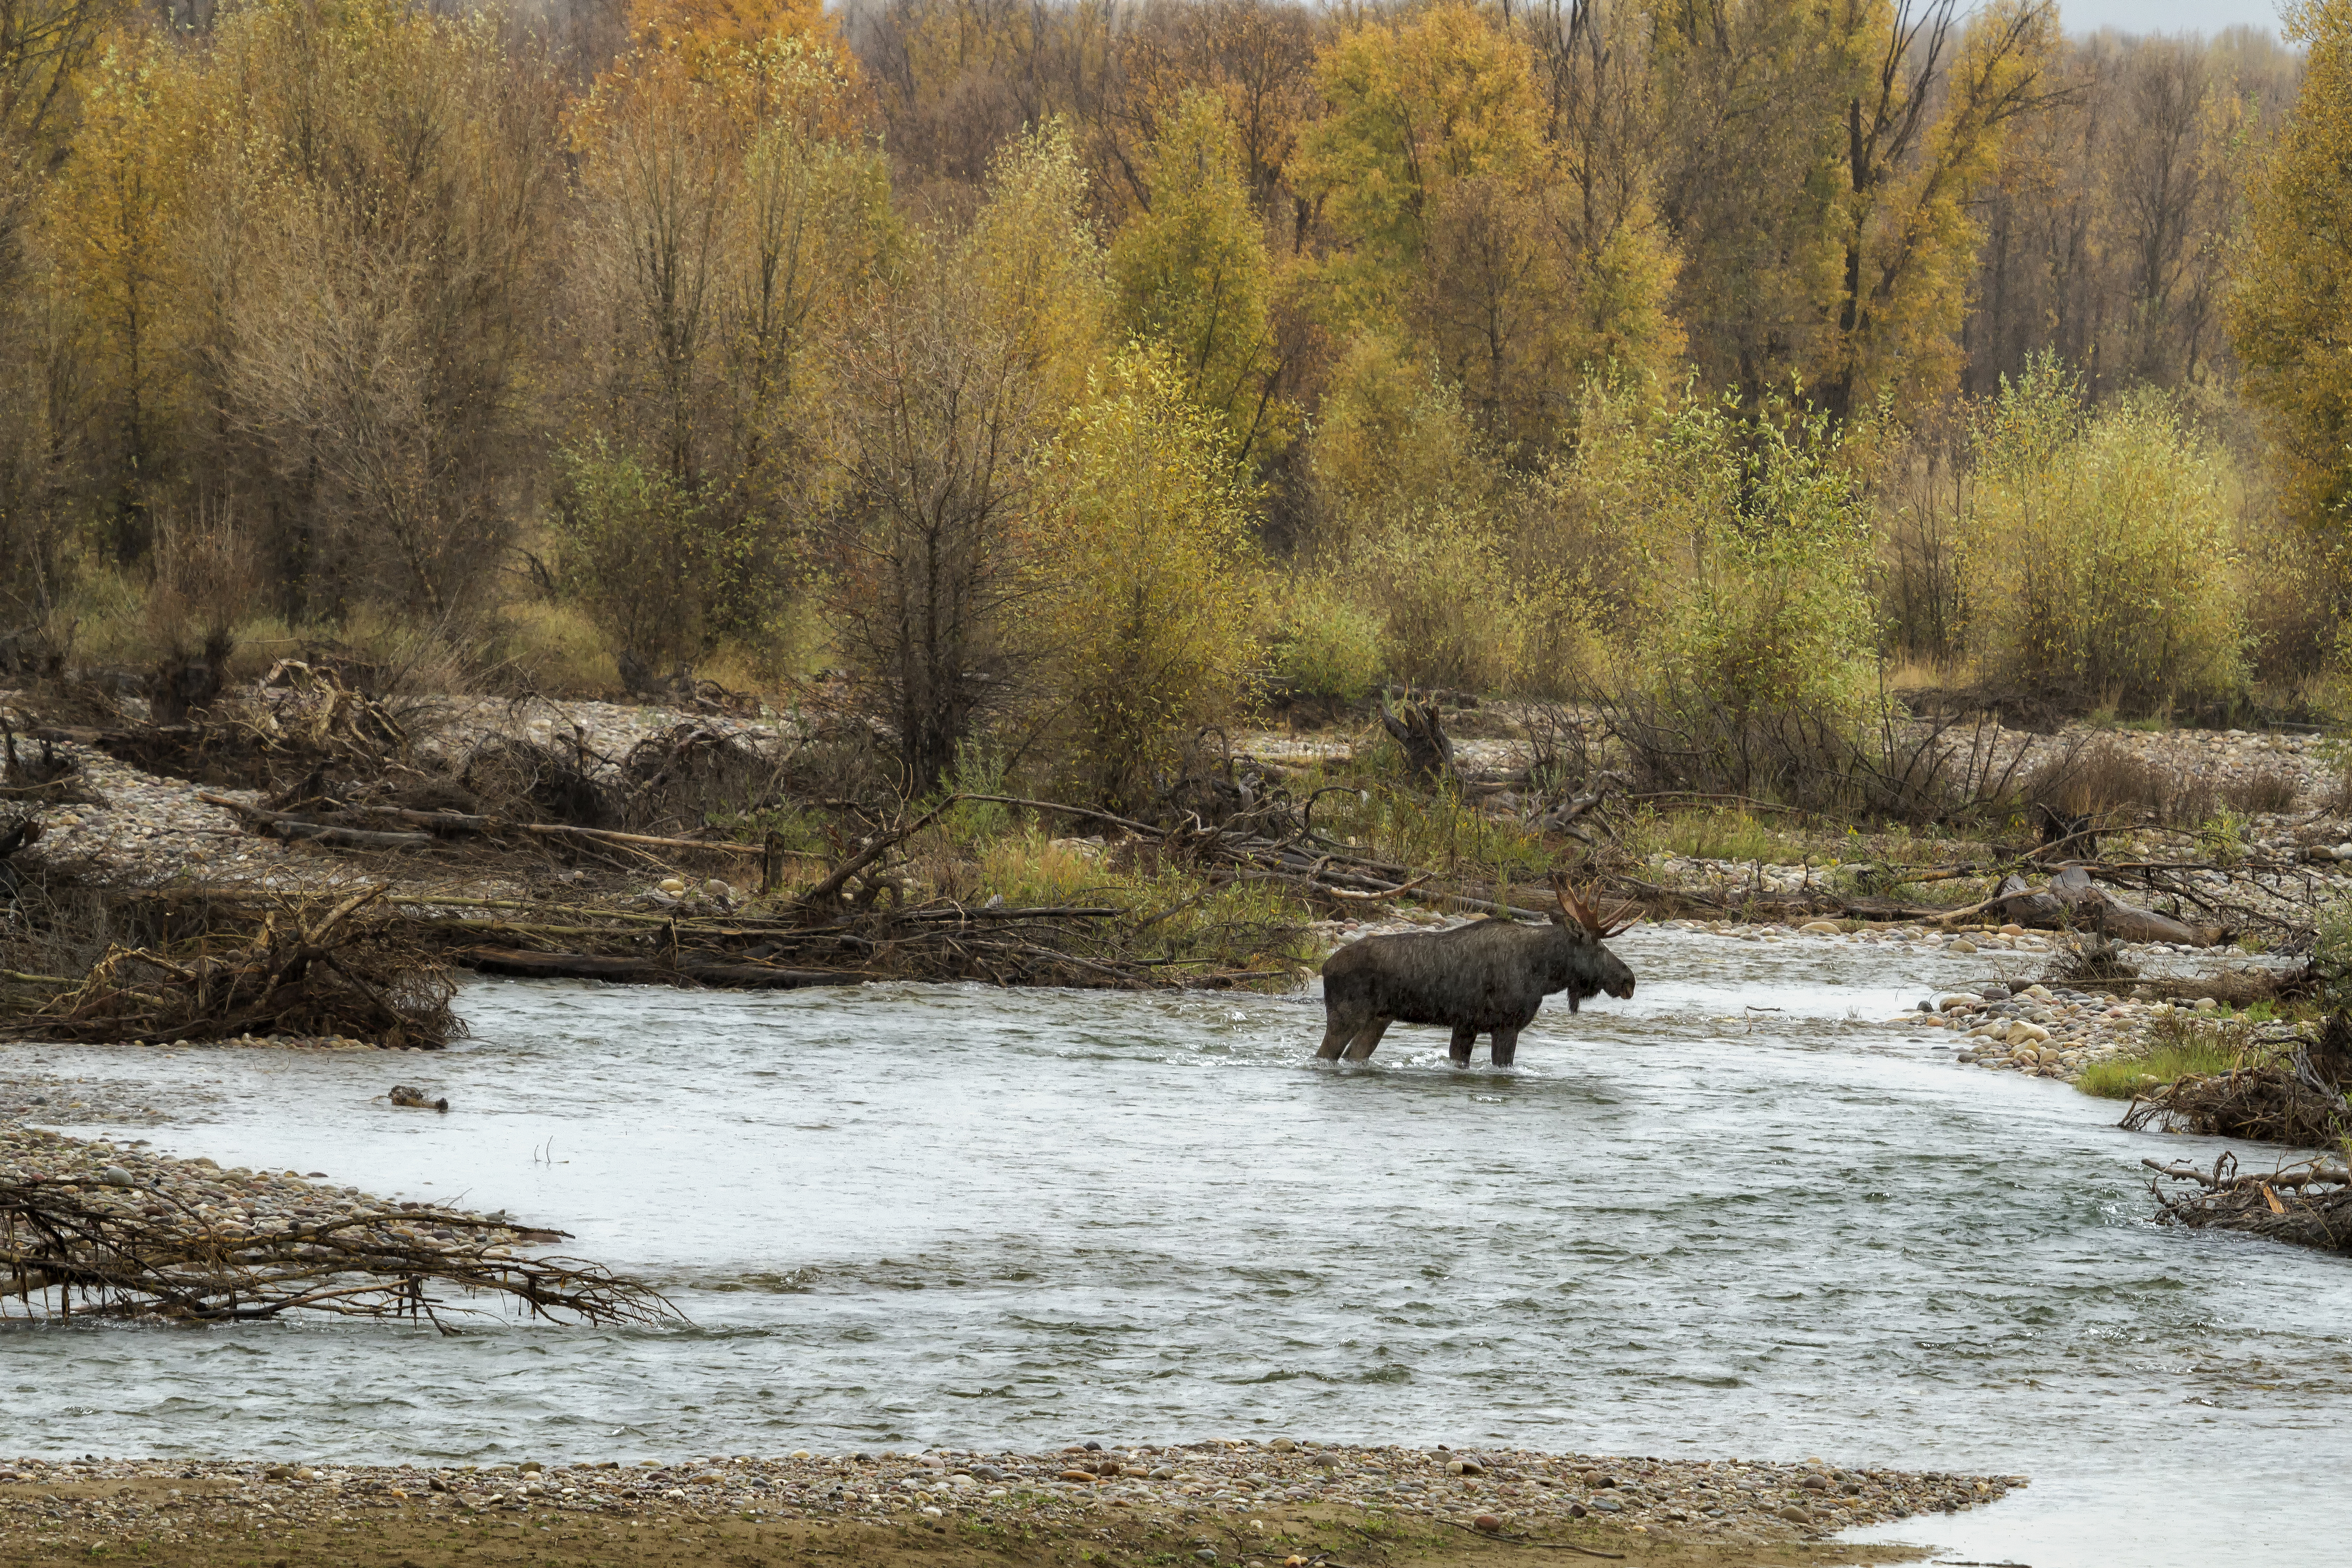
x,y
2166,15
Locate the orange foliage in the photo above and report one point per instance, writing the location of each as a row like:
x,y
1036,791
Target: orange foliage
x,y
673,22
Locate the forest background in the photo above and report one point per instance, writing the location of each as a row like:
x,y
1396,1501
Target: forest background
x,y
1047,380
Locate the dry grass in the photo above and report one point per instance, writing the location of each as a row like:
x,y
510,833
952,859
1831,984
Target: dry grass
x,y
2114,787
2271,792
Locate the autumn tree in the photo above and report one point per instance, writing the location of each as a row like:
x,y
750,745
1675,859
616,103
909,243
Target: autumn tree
x,y
377,333
1912,169
1191,275
1257,55
731,215
1142,602
2292,310
47,48
1452,222
2108,236
1820,170
955,370
115,220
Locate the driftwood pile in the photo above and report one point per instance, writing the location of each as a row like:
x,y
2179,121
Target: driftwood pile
x,y
80,1247
192,965
2286,1089
2308,1205
2071,901
2276,1101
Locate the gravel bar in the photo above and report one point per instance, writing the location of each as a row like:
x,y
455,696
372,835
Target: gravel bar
x,y
1244,1489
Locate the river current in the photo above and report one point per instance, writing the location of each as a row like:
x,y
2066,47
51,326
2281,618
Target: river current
x,y
1734,1217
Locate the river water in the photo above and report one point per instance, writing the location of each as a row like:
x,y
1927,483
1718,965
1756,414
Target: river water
x,y
1734,1217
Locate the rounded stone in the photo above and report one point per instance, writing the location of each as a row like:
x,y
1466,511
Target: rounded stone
x,y
115,1176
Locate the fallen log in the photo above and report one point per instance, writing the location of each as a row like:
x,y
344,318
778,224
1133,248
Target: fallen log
x,y
2071,901
439,825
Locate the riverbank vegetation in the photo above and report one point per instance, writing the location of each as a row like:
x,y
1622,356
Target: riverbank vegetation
x,y
1071,383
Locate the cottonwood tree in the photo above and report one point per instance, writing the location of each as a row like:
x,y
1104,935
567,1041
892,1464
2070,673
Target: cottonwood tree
x,y
923,539
952,379
2292,310
1140,600
377,347
1191,274
729,214
1458,220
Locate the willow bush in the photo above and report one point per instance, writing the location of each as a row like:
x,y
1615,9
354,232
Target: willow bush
x,y
2097,560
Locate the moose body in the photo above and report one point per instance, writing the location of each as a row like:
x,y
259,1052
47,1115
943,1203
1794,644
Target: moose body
x,y
1487,978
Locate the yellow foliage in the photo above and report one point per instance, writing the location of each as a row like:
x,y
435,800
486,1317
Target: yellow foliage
x,y
1038,264
1910,228
1143,593
1391,439
113,220
738,22
2096,560
1461,227
2290,314
1192,275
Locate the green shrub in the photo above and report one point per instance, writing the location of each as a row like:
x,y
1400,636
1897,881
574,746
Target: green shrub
x,y
1326,647
1439,579
2098,555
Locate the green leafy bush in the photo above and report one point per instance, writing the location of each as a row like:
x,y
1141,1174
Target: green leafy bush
x,y
2098,556
1324,646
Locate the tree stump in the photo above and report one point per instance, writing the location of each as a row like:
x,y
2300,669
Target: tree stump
x,y
1428,750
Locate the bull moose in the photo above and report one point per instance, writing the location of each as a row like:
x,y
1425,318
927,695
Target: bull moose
x,y
1486,978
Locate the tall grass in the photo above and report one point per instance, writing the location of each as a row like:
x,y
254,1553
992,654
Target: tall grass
x,y
2178,1047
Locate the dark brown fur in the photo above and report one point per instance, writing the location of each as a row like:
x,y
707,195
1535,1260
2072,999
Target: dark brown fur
x,y
1487,978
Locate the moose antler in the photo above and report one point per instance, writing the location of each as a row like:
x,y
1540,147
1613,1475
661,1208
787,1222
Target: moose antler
x,y
1619,916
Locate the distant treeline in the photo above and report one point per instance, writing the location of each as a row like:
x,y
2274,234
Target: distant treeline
x,y
1078,370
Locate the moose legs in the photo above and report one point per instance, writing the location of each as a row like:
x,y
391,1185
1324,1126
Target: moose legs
x,y
1367,1039
1506,1045
1355,1036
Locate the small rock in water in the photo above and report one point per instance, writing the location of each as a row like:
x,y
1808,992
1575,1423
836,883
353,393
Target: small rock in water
x,y
1962,944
